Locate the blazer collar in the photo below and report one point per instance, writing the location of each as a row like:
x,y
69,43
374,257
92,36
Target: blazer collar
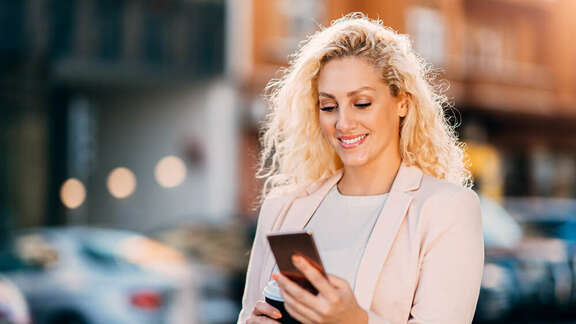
x,y
303,204
408,178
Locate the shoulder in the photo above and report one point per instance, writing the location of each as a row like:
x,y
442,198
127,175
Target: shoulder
x,y
437,190
444,203
273,204
281,196
449,219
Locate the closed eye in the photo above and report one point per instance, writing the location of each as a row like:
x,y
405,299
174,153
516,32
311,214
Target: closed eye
x,y
327,108
363,105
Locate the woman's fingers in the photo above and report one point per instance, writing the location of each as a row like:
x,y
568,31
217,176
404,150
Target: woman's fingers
x,y
263,308
288,286
300,310
315,277
260,319
299,300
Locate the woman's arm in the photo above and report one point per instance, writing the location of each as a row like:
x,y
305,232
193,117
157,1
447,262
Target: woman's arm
x,y
253,272
452,260
451,267
249,297
252,291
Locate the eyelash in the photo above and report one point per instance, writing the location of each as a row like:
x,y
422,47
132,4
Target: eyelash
x,y
361,106
329,108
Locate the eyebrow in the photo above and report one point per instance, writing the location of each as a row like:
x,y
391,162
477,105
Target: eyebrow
x,y
349,94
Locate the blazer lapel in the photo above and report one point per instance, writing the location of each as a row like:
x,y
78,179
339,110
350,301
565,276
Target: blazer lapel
x,y
303,208
297,212
384,233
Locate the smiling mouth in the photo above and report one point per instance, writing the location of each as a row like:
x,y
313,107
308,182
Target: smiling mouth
x,y
352,141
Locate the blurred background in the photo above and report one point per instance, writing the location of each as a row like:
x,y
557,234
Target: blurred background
x,y
129,142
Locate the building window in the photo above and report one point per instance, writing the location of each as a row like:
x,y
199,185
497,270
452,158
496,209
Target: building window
x,y
485,49
427,28
302,17
62,14
110,24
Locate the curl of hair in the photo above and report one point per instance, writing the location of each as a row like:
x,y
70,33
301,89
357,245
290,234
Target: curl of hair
x,y
294,151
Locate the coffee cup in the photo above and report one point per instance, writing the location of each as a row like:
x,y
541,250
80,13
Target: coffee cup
x,y
274,298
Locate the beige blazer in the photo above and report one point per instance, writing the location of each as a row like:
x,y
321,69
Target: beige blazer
x,y
422,264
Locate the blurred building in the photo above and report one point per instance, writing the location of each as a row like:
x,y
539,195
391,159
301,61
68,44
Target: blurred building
x,y
98,98
511,65
90,86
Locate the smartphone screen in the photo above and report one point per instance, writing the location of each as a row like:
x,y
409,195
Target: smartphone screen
x,y
286,244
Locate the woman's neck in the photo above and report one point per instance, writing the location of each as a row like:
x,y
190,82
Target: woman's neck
x,y
362,181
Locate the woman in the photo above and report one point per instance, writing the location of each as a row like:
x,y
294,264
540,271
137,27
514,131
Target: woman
x,y
357,149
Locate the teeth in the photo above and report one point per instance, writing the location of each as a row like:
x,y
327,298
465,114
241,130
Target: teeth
x,y
352,141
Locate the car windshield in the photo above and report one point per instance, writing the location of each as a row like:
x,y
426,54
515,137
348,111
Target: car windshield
x,y
126,249
102,248
498,226
562,229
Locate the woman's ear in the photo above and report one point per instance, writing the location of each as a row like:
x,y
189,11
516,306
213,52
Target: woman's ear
x,y
404,104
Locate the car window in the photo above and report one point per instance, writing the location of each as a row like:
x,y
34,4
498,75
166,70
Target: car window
x,y
128,250
102,257
552,229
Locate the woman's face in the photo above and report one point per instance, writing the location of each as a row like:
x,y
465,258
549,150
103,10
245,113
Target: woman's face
x,y
358,114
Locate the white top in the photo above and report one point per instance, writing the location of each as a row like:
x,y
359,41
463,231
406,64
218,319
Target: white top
x,y
341,227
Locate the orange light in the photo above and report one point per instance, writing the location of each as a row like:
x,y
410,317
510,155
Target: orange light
x,y
170,171
72,193
121,182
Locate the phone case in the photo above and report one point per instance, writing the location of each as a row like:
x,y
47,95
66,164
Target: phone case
x,y
286,244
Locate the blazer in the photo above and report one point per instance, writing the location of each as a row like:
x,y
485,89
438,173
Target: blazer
x,y
423,261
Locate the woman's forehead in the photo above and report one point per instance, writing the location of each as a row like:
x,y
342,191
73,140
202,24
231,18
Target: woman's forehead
x,y
349,74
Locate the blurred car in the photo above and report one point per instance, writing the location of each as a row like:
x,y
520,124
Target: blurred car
x,y
220,254
92,276
499,293
525,273
13,307
550,226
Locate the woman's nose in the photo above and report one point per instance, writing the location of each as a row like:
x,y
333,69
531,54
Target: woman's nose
x,y
345,121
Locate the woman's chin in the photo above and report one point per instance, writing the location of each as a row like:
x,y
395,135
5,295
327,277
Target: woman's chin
x,y
353,162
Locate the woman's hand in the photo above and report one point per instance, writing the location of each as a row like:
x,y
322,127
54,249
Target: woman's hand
x,y
335,302
263,314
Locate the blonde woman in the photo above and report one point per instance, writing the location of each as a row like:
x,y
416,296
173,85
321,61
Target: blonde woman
x,y
357,150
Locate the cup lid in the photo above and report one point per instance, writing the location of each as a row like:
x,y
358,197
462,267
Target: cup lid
x,y
272,291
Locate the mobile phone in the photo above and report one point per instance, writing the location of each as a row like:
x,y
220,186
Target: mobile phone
x,y
286,244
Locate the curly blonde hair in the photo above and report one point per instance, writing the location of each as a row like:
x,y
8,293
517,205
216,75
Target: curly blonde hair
x,y
295,154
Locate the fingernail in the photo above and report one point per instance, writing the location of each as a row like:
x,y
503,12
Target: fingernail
x,y
277,315
297,260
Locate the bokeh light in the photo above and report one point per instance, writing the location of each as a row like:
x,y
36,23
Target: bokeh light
x,y
72,193
170,171
121,182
